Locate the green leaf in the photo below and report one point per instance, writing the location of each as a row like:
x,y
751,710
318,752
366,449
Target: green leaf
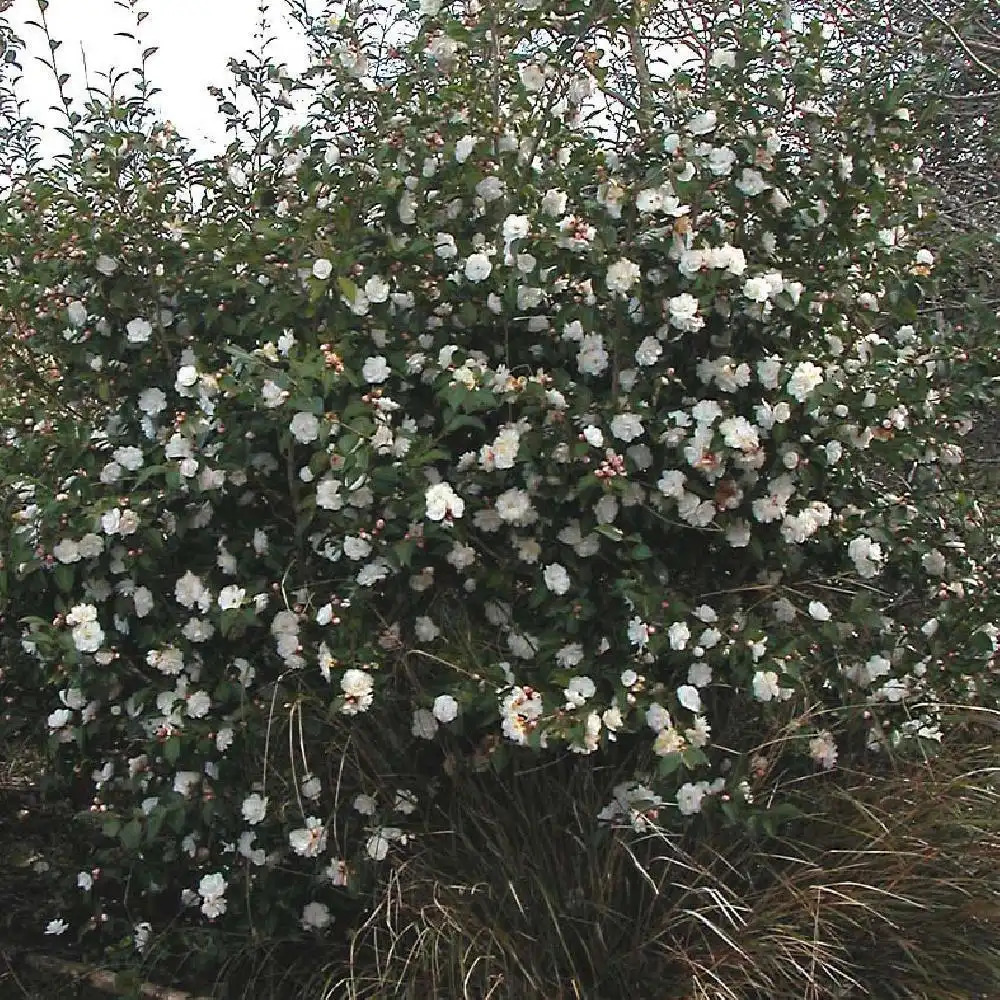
x,y
610,531
131,835
172,749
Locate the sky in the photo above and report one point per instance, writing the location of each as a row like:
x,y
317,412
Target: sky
x,y
195,39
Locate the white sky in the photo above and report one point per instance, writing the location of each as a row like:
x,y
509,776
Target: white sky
x,y
195,39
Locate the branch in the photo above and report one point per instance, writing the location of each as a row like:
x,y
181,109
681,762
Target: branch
x,y
962,44
100,979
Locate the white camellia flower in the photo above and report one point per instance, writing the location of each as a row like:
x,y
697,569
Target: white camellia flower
x,y
819,611
532,77
310,840
622,275
359,691
703,124
556,578
683,312
88,637
138,330
442,501
67,551
689,697
304,427
626,426
445,708
254,809
464,148
377,289
690,796
515,227
424,725
322,269
805,378
722,59
152,401
375,369
316,916
554,203
478,267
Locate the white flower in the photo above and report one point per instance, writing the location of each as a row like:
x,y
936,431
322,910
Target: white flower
x,y
648,352
683,312
57,926
532,77
554,202
757,290
579,690
322,269
804,379
364,804
722,59
739,433
231,597
377,289
622,275
441,501
752,183
212,886
700,675
445,708
310,840
478,267
819,611
88,637
375,369
703,124
198,705
679,634
316,916
592,358
515,227
689,698
556,578
626,426
766,686
424,725
823,750
189,590
464,148
254,809
514,506
689,797
67,551
59,718
304,427
377,846
358,687
152,401
106,265
138,330
328,494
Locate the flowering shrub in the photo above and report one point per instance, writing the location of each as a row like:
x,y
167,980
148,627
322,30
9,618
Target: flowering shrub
x,y
535,419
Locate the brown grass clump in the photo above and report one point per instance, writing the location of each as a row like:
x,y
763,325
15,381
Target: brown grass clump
x,y
883,888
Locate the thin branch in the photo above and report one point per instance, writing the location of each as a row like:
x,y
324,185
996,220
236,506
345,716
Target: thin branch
x,y
100,979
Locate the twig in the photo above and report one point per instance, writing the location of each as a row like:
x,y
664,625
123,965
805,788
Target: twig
x,y
101,979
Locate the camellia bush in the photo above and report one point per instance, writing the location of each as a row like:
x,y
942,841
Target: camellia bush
x,y
498,410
